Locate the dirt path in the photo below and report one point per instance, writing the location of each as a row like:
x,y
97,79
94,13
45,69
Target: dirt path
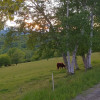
x,y
91,94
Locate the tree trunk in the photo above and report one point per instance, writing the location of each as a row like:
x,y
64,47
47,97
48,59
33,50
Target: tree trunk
x,y
76,65
69,65
89,58
67,7
73,63
73,60
84,61
91,35
65,61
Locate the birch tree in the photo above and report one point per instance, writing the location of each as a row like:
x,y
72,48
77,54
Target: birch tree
x,y
66,28
90,7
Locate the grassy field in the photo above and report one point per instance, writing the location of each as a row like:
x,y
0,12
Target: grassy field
x,y
32,81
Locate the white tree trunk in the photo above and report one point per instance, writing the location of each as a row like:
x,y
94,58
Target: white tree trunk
x,y
73,60
89,58
67,7
68,54
73,63
91,35
69,65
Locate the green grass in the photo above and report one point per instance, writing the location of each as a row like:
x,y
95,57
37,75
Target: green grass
x,y
32,81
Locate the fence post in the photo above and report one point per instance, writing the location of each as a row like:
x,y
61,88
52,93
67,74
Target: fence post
x,y
52,82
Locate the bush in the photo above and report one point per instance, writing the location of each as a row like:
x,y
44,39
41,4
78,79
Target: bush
x,y
1,61
16,55
35,58
28,55
5,60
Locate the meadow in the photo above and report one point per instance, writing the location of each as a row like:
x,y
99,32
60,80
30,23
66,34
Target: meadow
x,y
33,80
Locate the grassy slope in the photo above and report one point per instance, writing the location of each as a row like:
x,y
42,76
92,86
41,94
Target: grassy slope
x,y
16,81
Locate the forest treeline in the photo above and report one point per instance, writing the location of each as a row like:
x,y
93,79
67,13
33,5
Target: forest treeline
x,y
17,51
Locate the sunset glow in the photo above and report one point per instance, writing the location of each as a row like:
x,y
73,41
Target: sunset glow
x,y
37,27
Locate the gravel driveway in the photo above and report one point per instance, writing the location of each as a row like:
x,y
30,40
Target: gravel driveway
x,y
90,94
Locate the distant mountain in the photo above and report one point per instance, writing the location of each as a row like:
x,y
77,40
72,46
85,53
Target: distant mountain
x,y
4,31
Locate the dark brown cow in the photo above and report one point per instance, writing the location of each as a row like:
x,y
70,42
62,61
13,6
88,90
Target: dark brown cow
x,y
60,65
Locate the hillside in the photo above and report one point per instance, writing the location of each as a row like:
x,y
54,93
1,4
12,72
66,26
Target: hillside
x,y
17,81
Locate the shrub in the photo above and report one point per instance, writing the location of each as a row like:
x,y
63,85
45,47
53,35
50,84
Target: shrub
x,y
5,60
16,55
35,58
1,61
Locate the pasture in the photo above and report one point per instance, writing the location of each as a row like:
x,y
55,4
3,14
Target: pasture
x,y
32,81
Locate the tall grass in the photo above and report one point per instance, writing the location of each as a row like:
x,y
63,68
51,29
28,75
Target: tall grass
x,y
32,81
67,88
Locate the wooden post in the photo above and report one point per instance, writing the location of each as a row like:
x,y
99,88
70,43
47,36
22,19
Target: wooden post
x,y
52,82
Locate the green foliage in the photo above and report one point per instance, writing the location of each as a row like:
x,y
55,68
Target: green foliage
x,y
35,57
28,55
96,42
12,39
59,38
7,10
84,44
5,60
16,55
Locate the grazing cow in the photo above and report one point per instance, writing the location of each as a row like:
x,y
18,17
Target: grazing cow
x,y
60,65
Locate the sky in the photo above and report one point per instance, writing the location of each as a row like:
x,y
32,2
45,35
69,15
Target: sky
x,y
10,23
13,24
